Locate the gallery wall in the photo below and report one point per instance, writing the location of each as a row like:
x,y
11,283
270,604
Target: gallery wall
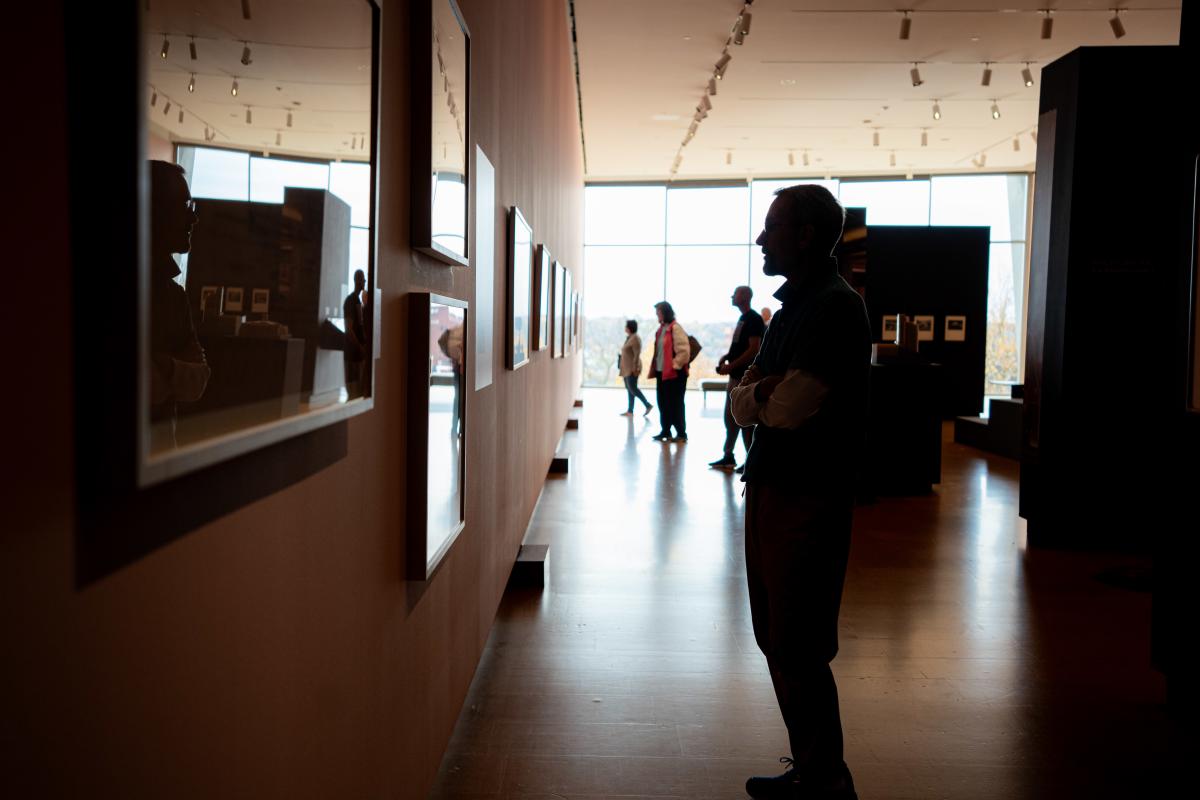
x,y
278,651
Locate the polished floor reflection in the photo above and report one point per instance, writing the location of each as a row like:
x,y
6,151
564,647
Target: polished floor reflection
x,y
969,667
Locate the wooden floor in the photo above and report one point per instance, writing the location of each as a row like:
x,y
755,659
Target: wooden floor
x,y
969,666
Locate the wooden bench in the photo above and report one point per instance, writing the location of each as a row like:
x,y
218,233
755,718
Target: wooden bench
x,y
713,385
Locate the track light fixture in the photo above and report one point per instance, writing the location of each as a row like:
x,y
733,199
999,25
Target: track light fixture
x,y
705,103
1118,28
937,110
905,25
739,35
791,159
728,158
915,74
289,119
1027,75
875,139
712,86
153,98
1016,144
192,84
982,160
746,17
278,138
181,116
166,48
233,90
166,108
924,138
986,80
995,110
1047,24
246,60
804,157
249,117
1033,135
192,48
722,65
892,159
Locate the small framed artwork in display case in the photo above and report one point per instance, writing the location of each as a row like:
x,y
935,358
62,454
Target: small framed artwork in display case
x,y
233,300
437,430
520,290
956,329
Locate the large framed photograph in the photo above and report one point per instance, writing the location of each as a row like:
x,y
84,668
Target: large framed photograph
x,y
520,290
202,400
441,96
543,294
437,430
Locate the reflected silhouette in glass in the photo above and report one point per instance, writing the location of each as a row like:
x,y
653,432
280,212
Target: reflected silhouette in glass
x,y
178,370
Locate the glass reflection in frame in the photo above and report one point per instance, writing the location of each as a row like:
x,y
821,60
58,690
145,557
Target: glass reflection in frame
x,y
260,207
545,295
447,368
520,288
449,123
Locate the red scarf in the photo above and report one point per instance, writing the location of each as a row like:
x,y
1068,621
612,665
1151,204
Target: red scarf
x,y
668,344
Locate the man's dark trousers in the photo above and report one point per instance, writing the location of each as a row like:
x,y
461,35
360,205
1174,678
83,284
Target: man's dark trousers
x,y
797,546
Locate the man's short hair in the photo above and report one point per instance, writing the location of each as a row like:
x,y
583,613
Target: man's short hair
x,y
815,205
749,292
358,273
162,177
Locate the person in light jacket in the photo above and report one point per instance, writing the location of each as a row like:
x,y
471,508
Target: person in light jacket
x,y
672,354
630,367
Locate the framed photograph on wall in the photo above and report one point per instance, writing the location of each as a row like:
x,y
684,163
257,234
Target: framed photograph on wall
x,y
520,290
437,429
197,424
560,310
441,97
924,328
956,329
543,293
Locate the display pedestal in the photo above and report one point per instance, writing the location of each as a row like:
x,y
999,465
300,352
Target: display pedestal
x,y
904,430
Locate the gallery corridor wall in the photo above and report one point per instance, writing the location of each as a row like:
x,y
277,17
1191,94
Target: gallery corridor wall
x,y
278,651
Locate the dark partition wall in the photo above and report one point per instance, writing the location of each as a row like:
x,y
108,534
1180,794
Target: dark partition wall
x,y
1106,345
940,272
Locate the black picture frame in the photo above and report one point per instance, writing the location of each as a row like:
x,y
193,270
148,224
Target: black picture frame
x,y
519,295
543,293
122,513
428,542
430,85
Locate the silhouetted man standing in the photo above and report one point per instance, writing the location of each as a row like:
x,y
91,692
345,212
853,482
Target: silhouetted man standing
x,y
356,345
178,369
806,395
747,337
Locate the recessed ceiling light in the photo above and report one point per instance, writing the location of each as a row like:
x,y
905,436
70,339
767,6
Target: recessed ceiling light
x,y
665,117
974,38
687,38
788,82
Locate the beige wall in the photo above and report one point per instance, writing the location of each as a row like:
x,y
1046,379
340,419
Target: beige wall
x,y
278,652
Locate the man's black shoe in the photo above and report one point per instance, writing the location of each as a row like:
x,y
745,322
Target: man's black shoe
x,y
724,462
680,438
740,470
795,785
662,437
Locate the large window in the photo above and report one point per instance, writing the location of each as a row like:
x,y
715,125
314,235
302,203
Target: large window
x,y
693,244
232,175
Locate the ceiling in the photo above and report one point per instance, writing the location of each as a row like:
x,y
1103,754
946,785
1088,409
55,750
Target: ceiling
x,y
823,78
311,59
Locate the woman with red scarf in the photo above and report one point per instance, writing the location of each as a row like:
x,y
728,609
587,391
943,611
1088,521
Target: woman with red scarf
x,y
669,367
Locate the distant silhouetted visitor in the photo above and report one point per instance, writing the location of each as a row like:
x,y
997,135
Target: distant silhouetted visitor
x,y
670,371
806,396
629,366
766,315
355,354
178,370
747,337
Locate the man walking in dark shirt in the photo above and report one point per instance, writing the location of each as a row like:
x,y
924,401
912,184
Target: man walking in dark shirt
x,y
747,337
806,395
356,346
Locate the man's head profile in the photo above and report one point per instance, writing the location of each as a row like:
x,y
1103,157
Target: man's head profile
x,y
172,210
742,296
802,227
360,280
